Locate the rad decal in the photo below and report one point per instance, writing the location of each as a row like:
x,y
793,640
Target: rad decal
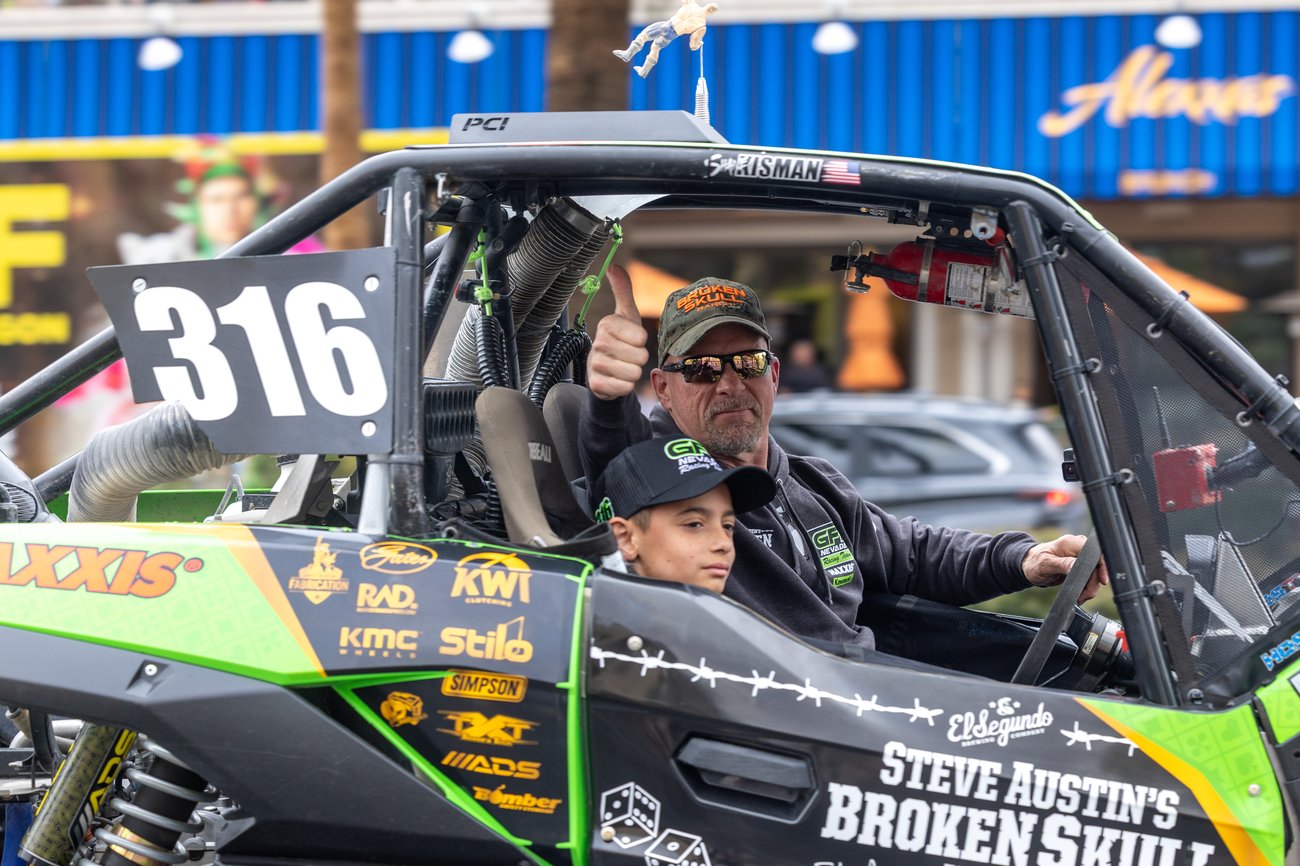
x,y
1078,735
493,766
503,799
474,727
628,815
397,557
999,723
321,578
803,691
402,708
492,577
488,687
138,572
762,165
386,598
496,645
1033,815
398,643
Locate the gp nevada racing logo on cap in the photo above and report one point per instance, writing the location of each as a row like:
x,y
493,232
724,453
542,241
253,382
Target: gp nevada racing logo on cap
x,y
690,455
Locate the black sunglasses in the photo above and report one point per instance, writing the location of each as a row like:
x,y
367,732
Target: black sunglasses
x,y
709,368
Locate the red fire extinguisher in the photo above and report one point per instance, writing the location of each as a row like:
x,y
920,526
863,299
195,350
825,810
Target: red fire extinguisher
x,y
975,275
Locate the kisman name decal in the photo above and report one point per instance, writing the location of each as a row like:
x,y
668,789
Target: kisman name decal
x,y
397,557
321,578
765,166
473,727
999,723
502,799
492,577
138,572
493,766
836,558
488,687
1035,817
504,643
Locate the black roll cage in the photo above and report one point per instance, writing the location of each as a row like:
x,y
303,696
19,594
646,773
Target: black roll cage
x,y
452,183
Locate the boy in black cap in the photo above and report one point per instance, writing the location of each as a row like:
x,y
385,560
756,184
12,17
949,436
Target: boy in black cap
x,y
673,509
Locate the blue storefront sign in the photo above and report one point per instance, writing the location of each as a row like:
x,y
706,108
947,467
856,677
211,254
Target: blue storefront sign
x,y
1092,104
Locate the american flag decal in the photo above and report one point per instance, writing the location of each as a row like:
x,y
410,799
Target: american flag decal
x,y
843,172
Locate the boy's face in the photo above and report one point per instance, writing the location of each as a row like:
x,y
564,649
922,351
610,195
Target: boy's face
x,y
688,541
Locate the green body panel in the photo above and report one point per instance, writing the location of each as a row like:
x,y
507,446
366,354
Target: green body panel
x,y
1219,756
1282,704
164,506
214,614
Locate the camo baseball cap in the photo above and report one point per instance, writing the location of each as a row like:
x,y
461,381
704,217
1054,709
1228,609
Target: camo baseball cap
x,y
659,471
694,310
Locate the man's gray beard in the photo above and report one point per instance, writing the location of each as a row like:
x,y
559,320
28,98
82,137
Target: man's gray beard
x,y
733,440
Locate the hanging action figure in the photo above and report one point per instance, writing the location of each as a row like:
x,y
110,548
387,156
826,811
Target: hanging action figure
x,y
688,19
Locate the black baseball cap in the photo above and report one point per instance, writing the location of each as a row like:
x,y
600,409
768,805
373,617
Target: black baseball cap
x,y
670,470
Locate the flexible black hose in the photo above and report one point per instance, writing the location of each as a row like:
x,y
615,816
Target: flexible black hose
x,y
580,363
552,369
492,366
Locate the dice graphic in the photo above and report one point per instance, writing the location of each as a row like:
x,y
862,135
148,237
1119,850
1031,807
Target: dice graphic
x,y
631,813
675,848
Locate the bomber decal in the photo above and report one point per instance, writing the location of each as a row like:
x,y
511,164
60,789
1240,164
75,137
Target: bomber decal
x,y
1251,826
805,691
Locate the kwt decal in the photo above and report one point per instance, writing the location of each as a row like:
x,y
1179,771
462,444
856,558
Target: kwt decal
x,y
488,687
492,577
138,572
474,727
998,723
496,645
493,766
402,708
321,578
1078,735
628,815
804,691
397,557
1033,816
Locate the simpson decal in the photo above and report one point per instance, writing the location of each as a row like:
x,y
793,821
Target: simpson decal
x,y
488,687
765,166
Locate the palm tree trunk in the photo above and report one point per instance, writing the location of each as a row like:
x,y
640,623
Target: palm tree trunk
x,y
341,115
581,75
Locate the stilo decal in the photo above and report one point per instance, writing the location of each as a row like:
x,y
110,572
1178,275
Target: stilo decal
x,y
398,643
397,557
402,708
502,799
495,645
470,762
474,727
488,687
321,578
998,723
492,577
765,166
1026,814
138,572
386,598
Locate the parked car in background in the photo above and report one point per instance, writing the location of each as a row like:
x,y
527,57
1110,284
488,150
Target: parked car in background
x,y
950,462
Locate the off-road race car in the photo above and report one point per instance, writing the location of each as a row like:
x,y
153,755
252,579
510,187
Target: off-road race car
x,y
409,651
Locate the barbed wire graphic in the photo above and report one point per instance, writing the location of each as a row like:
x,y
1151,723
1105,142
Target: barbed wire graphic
x,y
1079,735
757,683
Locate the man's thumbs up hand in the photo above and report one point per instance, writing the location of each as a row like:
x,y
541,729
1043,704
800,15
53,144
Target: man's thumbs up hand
x,y
618,352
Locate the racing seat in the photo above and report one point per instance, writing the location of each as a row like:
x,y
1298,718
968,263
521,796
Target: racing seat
x,y
563,410
538,506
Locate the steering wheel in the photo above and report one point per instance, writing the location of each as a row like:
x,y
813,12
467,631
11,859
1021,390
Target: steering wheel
x,y
1060,613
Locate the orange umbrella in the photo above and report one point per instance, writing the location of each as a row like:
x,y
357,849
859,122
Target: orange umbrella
x,y
651,287
870,364
1207,297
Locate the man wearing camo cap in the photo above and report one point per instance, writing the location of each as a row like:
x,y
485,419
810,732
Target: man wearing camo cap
x,y
806,558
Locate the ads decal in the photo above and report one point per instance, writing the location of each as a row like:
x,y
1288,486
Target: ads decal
x,y
402,708
474,727
321,578
765,166
493,766
834,554
999,723
1018,816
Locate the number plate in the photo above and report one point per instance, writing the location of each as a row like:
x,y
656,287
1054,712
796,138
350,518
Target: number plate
x,y
270,354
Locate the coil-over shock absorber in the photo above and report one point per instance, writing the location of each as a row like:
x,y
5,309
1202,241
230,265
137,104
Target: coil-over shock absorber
x,y
159,811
